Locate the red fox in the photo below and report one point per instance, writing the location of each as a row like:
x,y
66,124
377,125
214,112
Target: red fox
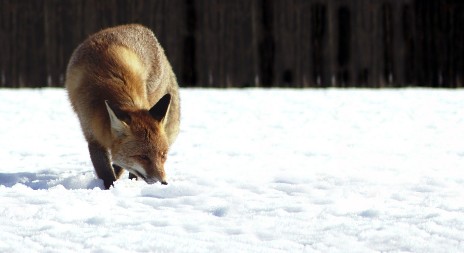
x,y
126,97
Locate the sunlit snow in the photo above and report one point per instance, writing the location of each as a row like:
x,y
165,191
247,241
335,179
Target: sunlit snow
x,y
252,170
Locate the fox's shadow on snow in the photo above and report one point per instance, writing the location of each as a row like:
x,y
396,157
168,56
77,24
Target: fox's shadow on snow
x,y
44,180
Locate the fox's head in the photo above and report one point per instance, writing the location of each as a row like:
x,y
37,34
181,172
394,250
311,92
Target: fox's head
x,y
140,142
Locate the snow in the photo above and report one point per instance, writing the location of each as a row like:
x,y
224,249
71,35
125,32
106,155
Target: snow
x,y
280,170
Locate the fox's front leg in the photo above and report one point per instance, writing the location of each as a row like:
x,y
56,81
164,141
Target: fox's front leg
x,y
101,162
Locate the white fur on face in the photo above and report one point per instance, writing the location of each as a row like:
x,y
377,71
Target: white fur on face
x,y
135,168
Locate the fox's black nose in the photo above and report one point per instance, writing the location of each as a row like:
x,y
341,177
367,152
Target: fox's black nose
x,y
164,183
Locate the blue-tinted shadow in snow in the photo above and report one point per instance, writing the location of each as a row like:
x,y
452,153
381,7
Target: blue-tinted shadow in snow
x,y
48,179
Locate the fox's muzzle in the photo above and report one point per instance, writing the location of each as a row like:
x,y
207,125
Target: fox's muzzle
x,y
154,180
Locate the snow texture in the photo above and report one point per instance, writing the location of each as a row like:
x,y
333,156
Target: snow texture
x,y
252,170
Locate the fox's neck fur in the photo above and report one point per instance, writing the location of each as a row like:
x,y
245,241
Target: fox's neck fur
x,y
121,76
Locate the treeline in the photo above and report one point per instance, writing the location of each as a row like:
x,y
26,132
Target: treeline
x,y
250,43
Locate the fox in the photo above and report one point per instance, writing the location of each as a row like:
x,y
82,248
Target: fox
x,y
126,97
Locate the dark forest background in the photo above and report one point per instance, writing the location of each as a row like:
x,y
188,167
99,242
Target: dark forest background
x,y
250,43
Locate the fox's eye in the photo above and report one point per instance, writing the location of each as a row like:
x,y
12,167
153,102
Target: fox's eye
x,y
163,155
143,157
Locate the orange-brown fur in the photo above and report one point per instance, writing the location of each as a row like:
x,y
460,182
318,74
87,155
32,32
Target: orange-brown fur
x,y
126,67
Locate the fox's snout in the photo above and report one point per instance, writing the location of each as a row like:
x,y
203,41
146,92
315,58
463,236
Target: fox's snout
x,y
155,180
149,178
156,175
150,168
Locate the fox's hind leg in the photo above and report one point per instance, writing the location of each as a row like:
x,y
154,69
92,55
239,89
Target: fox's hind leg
x,y
118,171
133,176
101,162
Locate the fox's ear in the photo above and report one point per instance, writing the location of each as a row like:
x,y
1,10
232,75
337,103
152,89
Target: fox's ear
x,y
118,127
160,109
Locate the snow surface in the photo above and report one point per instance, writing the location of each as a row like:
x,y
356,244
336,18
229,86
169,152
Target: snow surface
x,y
252,171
